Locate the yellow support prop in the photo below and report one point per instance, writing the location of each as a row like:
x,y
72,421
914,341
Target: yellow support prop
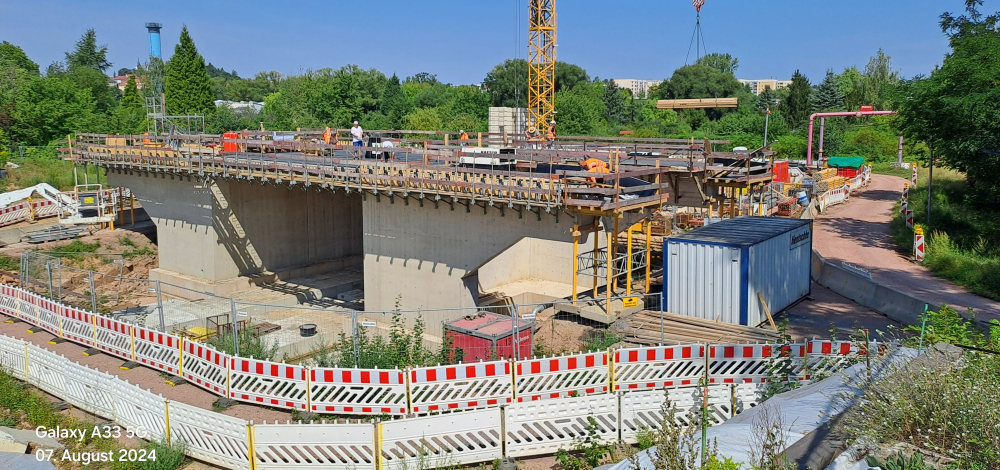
x,y
648,237
379,459
628,261
131,335
251,444
597,240
166,416
180,360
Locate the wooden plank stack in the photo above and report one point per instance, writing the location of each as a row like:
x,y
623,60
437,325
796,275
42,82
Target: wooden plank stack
x,y
643,328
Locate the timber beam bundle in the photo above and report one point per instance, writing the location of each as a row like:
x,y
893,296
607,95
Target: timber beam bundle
x,y
644,328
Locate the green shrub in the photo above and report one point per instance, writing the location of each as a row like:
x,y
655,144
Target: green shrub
x,y
900,462
251,345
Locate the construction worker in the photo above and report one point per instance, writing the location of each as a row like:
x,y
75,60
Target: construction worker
x,y
464,136
357,133
387,144
530,135
550,135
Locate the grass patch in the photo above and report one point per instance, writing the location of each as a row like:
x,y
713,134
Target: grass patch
x,y
9,263
251,345
75,250
884,168
962,245
24,407
43,169
137,252
602,340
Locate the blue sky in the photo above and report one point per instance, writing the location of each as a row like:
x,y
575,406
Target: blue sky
x,y
462,41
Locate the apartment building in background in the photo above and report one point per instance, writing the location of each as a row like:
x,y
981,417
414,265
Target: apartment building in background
x,y
757,86
639,88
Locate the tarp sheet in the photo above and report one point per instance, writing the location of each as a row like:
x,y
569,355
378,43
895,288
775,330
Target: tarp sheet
x,y
845,162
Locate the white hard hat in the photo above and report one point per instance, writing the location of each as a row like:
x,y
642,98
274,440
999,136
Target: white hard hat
x,y
553,122
355,122
460,130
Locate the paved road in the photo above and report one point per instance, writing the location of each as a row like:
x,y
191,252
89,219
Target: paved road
x,y
858,232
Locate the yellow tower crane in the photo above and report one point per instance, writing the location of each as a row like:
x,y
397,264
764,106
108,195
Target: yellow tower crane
x,y
541,62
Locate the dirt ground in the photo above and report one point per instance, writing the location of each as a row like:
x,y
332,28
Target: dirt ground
x,y
139,258
858,233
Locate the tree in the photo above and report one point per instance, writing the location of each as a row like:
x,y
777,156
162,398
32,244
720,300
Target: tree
x,y
569,75
957,108
88,54
131,98
827,96
125,71
767,99
507,83
797,107
702,81
15,56
849,82
579,109
394,104
879,81
724,63
614,103
187,85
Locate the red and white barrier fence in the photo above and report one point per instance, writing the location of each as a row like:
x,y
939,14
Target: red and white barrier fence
x,y
268,383
460,386
357,391
427,389
561,376
658,367
205,367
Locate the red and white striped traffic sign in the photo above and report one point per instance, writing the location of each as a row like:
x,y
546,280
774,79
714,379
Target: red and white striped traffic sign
x,y
918,243
913,179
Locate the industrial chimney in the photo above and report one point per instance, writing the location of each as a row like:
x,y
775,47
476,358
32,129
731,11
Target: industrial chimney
x,y
154,39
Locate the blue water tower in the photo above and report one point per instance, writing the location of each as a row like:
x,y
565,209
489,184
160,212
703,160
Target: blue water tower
x,y
154,39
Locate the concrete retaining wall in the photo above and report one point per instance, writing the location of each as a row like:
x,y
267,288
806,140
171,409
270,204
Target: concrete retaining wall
x,y
897,305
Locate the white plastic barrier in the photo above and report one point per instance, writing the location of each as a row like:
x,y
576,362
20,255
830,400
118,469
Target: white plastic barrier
x,y
12,356
45,369
443,440
562,376
545,426
14,214
658,367
140,408
89,389
342,446
643,410
460,386
268,383
357,391
213,437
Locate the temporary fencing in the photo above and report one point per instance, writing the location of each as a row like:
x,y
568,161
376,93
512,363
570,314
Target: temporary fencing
x,y
343,446
441,441
268,383
467,413
357,391
659,367
205,367
562,376
545,426
460,386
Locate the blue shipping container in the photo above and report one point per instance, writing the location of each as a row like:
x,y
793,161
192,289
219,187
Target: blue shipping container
x,y
716,271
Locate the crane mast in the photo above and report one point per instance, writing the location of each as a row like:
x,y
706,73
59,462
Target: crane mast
x,y
541,62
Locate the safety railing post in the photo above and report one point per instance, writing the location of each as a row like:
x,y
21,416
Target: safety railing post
x,y
159,307
93,292
232,316
48,270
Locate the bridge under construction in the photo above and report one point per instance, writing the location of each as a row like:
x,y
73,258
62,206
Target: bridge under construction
x,y
430,223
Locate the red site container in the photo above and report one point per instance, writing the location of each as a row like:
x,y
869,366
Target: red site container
x,y
228,144
780,170
488,336
848,172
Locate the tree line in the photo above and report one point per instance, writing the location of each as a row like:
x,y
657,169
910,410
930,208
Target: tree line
x,y
952,106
